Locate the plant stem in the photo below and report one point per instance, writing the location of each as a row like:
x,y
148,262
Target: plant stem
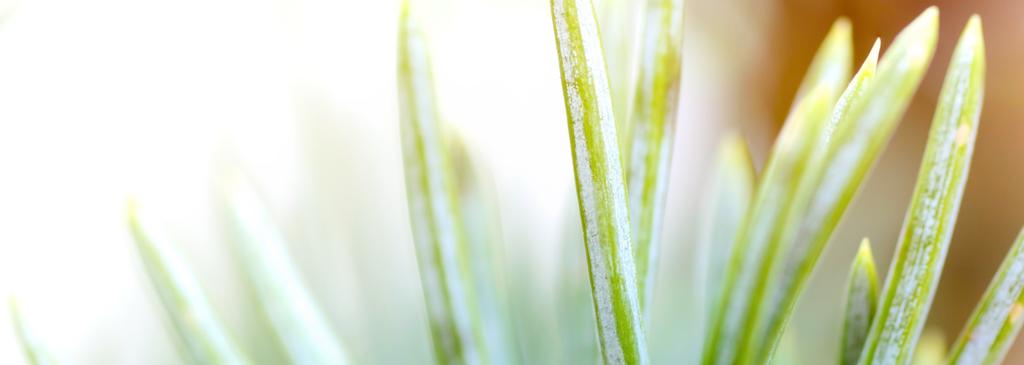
x,y
441,248
296,318
35,351
653,124
599,183
928,228
732,327
481,220
731,188
861,300
203,338
997,319
764,327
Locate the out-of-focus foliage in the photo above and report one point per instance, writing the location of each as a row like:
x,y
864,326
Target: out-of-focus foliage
x,y
34,350
202,337
761,235
297,319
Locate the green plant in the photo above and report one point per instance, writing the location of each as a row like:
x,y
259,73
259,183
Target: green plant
x,y
861,300
833,135
600,183
928,228
459,328
293,313
762,235
990,330
35,351
201,336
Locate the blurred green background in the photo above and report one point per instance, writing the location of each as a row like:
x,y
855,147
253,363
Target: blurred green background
x,y
107,98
